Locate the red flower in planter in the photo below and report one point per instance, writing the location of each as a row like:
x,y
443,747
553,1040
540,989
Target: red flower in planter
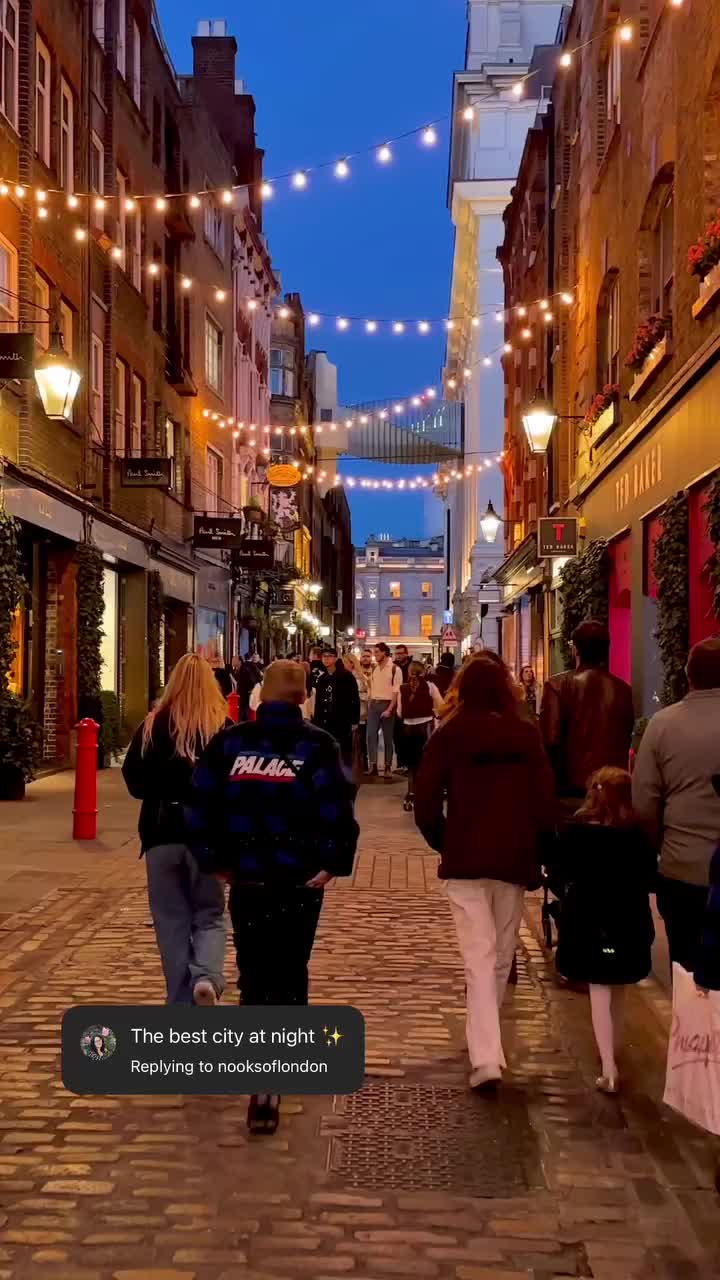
x,y
647,335
705,253
600,403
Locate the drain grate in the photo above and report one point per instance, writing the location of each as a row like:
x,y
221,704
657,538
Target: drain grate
x,y
426,1138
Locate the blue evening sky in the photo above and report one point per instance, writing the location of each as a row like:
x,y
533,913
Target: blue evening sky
x,y
329,78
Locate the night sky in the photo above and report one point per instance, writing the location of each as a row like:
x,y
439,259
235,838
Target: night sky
x,y
329,78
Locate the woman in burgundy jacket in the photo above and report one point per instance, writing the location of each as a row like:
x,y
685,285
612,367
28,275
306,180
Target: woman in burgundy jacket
x,y
484,797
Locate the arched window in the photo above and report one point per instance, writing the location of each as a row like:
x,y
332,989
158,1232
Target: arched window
x,y
608,331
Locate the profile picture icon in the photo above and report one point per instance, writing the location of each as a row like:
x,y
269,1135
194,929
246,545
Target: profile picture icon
x,y
98,1043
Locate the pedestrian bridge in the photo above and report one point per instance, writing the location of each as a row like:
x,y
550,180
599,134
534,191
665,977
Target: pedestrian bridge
x,y
429,433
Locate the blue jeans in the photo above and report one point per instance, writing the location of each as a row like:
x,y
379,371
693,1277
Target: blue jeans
x,y
187,908
376,725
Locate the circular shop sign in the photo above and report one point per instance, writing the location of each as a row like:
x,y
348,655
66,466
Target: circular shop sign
x,y
283,475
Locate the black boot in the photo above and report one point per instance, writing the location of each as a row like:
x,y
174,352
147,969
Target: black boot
x,y
263,1115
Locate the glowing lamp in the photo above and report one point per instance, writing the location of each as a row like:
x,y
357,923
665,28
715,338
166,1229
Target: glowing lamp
x,y
538,420
57,380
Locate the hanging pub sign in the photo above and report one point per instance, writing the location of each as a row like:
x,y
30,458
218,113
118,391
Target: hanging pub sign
x,y
255,554
146,473
284,506
557,537
17,355
218,532
283,475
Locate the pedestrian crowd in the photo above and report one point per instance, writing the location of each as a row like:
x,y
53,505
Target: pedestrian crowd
x,y
514,785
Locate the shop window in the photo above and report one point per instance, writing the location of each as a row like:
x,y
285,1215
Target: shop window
x,y
42,101
109,644
210,634
426,625
16,674
703,622
394,624
620,609
9,61
67,137
394,590
426,590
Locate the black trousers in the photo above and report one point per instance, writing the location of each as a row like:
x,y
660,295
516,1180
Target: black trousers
x,y
274,931
682,907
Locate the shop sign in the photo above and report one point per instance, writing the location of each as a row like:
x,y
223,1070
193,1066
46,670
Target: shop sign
x,y
146,473
283,475
557,537
640,478
17,355
254,554
448,635
214,531
284,506
360,634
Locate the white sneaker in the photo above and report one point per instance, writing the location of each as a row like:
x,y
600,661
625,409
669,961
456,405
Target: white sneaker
x,y
204,992
485,1079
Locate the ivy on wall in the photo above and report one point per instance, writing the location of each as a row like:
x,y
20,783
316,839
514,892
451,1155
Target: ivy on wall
x,y
12,585
20,735
712,511
585,588
670,569
156,604
90,610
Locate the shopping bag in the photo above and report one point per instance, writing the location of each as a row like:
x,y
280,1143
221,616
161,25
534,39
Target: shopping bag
x,y
692,1084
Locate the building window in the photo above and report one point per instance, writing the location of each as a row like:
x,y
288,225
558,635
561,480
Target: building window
x,y
282,372
213,355
96,386
156,131
97,176
137,408
394,590
136,64
214,223
214,480
394,625
8,284
41,316
614,80
120,408
9,62
67,137
663,258
67,326
358,593
157,294
426,625
98,11
608,330
121,184
42,101
426,590
121,37
135,228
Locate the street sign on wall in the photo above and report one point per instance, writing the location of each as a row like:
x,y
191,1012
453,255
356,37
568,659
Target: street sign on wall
x,y
557,537
448,635
17,355
218,532
146,473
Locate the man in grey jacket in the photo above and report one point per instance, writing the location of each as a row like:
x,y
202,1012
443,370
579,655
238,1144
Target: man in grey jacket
x,y
674,796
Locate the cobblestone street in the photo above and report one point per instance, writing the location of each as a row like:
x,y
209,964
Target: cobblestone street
x,y
414,1176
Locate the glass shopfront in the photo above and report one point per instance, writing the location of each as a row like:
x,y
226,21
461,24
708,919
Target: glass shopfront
x,y
210,634
111,631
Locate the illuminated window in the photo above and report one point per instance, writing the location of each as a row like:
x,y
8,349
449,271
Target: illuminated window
x,y
426,624
426,590
394,624
394,590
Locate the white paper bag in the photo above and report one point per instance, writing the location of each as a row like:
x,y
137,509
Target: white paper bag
x,y
692,1085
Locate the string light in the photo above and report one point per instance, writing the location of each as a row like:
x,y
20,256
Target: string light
x,y
252,304
20,193
522,311
543,304
625,32
342,323
567,298
314,320
371,326
429,136
80,233
518,89
4,188
384,154
227,197
153,269
72,202
267,191
130,205
398,327
548,317
284,313
487,361
423,327
507,348
116,252
449,324
40,195
566,60
526,333
42,211
194,202
299,180
342,169
220,295
475,322
469,114
161,204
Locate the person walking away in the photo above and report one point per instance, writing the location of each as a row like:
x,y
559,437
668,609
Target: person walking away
x,y
337,703
605,869
491,765
444,673
271,808
352,664
402,662
243,678
385,683
222,675
418,704
530,688
186,905
586,716
317,666
674,796
707,967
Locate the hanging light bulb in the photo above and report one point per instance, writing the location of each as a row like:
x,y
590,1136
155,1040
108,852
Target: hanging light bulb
x,y
314,320
384,154
452,383
487,362
522,311
220,295
20,193
548,317
194,202
526,333
398,326
80,233
423,327
227,197
342,323
469,114
252,304
543,304
371,326
429,136
431,393
299,180
42,211
72,202
399,408
449,324
625,32
284,313
518,89
116,252
267,191
467,373
416,401
153,268
475,322
99,204
507,349
342,169
566,60
161,204
4,188
566,298
186,283
130,205
40,195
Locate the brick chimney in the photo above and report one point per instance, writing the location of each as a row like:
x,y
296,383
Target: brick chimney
x,y
214,53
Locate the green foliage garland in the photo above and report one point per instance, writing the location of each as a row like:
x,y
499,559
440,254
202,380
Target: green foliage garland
x,y
712,511
156,602
585,588
90,610
111,737
670,568
20,735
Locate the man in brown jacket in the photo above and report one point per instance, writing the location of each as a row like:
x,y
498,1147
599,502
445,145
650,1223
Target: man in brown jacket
x,y
586,716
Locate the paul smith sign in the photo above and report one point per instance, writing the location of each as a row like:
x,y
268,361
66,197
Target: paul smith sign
x,y
640,478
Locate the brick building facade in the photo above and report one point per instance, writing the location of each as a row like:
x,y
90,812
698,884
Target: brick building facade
x,y
163,295
633,181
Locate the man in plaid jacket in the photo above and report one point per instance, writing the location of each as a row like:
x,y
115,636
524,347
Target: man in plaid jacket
x,y
271,809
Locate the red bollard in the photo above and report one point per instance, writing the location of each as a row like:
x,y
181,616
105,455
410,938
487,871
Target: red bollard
x,y
233,702
85,808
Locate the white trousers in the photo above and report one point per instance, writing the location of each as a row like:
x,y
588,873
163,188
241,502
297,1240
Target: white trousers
x,y
487,916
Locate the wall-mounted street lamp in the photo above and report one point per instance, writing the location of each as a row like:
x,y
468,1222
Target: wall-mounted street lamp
x,y
57,380
490,523
539,420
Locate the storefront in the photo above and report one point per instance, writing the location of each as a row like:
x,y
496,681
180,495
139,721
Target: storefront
x,y
177,620
622,502
212,611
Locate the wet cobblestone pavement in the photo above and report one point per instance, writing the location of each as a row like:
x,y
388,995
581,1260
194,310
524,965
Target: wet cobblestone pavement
x,y
412,1177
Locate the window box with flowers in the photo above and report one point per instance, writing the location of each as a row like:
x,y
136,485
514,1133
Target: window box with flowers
x,y
603,415
651,349
704,262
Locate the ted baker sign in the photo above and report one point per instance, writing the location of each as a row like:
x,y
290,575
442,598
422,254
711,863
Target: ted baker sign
x,y
557,537
642,476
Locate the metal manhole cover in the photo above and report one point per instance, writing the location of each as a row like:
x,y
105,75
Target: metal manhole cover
x,y
423,1138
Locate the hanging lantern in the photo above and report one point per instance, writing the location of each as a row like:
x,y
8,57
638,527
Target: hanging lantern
x,y
490,523
57,380
538,420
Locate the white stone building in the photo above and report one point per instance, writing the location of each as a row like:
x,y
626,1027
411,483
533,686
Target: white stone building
x,y
485,154
400,593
